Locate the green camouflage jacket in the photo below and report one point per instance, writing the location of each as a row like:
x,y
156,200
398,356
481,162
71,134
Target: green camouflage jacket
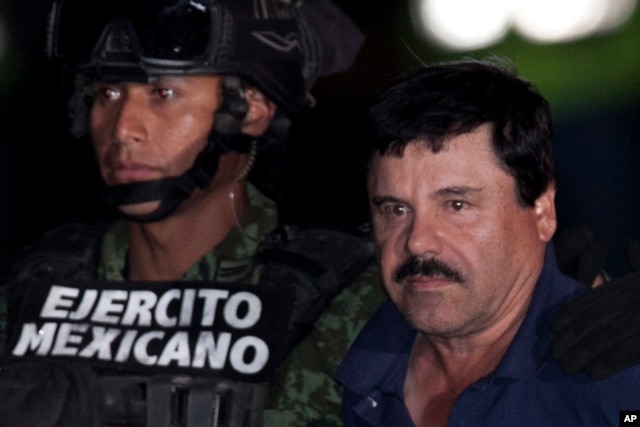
x,y
304,393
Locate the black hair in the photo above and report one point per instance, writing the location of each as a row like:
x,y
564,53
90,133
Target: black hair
x,y
452,98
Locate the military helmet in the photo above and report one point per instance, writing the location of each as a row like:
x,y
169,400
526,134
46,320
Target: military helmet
x,y
280,46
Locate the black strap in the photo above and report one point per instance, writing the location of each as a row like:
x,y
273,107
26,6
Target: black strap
x,y
163,401
316,264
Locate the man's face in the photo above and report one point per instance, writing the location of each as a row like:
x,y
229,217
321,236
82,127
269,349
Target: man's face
x,y
457,252
144,132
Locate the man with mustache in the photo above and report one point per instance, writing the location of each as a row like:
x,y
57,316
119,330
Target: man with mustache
x,y
461,183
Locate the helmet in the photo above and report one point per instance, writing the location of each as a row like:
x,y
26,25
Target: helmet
x,y
280,46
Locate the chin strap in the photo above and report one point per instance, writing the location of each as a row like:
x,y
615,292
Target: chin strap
x,y
172,191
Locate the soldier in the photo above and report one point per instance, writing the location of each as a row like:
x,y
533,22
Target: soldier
x,y
185,311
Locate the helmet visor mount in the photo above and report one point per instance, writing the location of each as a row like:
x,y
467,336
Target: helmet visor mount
x,y
137,40
134,40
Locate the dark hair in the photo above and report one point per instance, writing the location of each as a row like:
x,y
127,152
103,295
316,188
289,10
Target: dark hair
x,y
452,98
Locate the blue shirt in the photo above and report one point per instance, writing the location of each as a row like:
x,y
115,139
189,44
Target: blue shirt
x,y
527,388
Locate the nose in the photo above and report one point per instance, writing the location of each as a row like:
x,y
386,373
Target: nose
x,y
129,120
424,236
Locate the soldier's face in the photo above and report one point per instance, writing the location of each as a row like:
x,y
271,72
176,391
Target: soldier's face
x,y
149,131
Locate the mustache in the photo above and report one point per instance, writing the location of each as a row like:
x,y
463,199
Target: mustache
x,y
431,267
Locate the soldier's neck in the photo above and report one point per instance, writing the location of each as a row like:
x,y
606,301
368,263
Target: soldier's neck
x,y
165,250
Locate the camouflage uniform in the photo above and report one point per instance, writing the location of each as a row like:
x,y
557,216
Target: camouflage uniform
x,y
230,261
304,393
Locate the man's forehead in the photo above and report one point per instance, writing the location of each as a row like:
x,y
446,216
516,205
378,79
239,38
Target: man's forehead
x,y
478,141
466,160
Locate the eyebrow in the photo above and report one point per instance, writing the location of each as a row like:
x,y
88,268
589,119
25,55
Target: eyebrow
x,y
447,191
458,191
379,200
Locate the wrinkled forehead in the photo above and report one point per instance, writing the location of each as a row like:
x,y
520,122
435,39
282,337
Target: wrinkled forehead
x,y
467,160
478,141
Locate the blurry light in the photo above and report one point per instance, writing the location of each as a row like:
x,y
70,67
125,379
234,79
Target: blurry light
x,y
463,24
473,24
555,21
618,13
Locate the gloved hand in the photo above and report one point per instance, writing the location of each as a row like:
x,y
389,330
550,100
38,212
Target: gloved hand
x,y
580,254
599,333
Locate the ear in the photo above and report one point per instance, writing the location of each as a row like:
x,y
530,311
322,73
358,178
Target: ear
x,y
259,114
545,210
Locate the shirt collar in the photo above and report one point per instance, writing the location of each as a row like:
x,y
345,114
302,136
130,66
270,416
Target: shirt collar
x,y
386,341
529,350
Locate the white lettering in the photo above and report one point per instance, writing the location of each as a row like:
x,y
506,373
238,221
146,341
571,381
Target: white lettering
x,y
231,310
177,349
68,336
162,308
186,309
215,350
168,327
238,355
32,338
57,301
125,346
86,304
211,297
140,347
108,306
101,343
139,307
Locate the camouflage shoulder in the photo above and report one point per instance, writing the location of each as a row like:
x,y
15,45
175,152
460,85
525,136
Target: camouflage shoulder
x,y
306,394
65,251
67,241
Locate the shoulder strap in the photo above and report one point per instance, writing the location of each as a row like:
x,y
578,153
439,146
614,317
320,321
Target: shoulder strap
x,y
316,264
66,251
69,251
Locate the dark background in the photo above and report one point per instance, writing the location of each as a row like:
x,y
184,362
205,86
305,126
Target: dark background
x,y
47,178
